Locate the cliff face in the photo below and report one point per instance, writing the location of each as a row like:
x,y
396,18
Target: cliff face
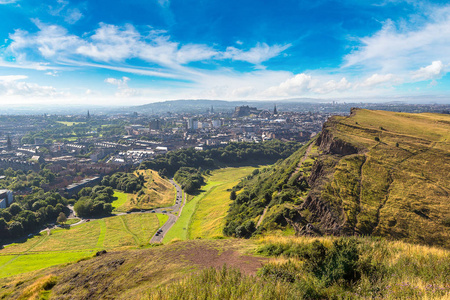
x,y
371,173
326,217
377,173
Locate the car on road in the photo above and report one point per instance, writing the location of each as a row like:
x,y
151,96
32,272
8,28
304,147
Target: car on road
x,y
153,211
88,220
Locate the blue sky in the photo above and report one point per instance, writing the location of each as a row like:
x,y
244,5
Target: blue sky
x,y
141,51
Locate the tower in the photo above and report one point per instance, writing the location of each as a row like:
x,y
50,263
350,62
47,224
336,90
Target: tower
x,y
88,115
275,112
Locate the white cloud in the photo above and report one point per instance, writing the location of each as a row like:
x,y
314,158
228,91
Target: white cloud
x,y
256,55
73,16
12,86
109,45
406,45
193,52
123,91
297,85
8,78
333,86
50,40
120,83
377,79
433,71
7,1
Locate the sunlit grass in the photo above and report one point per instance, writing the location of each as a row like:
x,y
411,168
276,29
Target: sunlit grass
x,y
209,218
65,245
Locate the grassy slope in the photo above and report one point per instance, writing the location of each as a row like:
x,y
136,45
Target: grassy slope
x,y
159,192
400,271
209,218
400,192
67,245
203,216
121,199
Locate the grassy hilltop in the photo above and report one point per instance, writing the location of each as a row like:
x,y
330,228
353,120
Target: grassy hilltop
x,y
372,173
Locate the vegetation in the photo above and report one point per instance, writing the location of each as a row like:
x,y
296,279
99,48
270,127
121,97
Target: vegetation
x,y
232,154
30,213
73,243
293,268
63,130
119,199
357,267
94,201
226,284
155,192
203,216
127,182
208,219
346,182
278,187
190,179
19,180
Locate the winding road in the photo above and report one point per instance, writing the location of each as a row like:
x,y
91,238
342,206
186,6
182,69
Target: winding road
x,y
173,212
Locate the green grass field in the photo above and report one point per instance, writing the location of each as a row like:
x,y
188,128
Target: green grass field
x,y
70,123
162,218
67,245
203,216
208,220
121,199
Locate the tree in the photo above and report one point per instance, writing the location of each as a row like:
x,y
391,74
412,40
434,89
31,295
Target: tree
x,y
14,209
61,218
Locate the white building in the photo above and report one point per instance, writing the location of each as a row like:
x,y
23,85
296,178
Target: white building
x,y
6,198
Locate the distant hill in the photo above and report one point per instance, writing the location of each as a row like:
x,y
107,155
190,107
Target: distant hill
x,y
371,173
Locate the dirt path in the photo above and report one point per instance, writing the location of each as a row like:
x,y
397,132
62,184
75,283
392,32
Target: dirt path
x,y
262,216
302,160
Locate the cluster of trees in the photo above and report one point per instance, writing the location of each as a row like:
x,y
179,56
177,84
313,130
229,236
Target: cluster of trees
x,y
190,179
280,185
94,202
20,180
31,212
234,153
127,182
82,128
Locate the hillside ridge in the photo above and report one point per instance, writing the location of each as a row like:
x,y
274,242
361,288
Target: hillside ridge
x,y
371,173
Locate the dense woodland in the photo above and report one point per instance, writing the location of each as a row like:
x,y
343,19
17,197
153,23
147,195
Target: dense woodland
x,y
127,182
31,212
20,180
94,202
234,153
190,179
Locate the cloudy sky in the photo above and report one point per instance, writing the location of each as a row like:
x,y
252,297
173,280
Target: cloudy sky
x,y
140,51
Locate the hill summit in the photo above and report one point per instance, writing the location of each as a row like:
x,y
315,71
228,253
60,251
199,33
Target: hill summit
x,y
371,173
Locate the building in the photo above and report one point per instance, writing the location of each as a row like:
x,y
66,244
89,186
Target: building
x,y
6,198
74,188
